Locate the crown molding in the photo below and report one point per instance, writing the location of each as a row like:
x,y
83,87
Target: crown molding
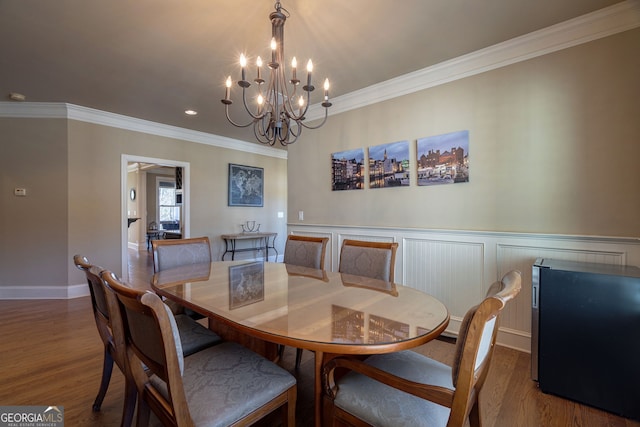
x,y
50,110
90,115
592,26
596,25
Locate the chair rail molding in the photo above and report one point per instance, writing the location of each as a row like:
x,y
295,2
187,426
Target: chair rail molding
x,y
458,266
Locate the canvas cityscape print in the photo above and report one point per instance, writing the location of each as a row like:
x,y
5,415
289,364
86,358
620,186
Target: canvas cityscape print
x,y
389,165
443,159
347,170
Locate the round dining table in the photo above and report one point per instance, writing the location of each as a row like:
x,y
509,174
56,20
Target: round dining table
x,y
329,313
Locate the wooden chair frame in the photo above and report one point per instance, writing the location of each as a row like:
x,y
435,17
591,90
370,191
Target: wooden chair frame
x,y
107,316
173,411
464,398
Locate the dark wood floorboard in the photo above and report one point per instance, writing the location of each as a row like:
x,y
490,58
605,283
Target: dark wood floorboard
x,y
51,354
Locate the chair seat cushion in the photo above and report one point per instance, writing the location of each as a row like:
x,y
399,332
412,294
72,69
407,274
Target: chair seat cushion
x,y
384,406
193,336
226,382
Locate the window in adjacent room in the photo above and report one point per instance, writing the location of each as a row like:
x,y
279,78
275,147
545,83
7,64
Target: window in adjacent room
x,y
168,211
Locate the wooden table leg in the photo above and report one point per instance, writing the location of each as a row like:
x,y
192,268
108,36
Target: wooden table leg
x,y
317,388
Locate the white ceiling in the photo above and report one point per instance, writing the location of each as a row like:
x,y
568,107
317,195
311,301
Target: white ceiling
x,y
152,59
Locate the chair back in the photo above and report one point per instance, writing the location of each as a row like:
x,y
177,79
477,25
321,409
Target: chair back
x,y
475,345
152,341
176,252
369,259
305,251
105,310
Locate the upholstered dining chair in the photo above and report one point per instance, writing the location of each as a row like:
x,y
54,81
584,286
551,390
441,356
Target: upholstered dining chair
x,y
177,252
369,259
193,336
220,386
304,251
407,388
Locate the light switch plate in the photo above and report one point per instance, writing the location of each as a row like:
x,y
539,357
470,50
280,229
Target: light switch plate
x,y
20,192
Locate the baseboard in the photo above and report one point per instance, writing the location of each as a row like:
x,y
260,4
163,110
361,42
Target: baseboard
x,y
43,292
507,337
514,339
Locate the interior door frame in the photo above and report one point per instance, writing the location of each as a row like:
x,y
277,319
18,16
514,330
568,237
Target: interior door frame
x,y
124,191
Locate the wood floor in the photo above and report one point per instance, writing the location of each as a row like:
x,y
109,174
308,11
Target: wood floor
x,y
50,354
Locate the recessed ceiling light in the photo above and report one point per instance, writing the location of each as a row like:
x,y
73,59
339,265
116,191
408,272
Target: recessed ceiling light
x,y
190,112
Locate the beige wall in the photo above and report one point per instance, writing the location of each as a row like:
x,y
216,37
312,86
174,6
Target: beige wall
x,y
210,215
554,148
72,172
33,246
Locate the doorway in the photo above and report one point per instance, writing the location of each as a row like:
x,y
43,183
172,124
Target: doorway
x,y
136,189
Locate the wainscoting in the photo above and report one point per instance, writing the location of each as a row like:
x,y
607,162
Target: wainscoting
x,y
457,267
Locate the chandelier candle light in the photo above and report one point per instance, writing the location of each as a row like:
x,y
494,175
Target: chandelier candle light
x,y
277,116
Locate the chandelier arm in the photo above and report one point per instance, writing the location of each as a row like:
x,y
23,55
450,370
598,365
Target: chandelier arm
x,y
246,107
290,111
326,114
226,110
296,135
261,136
287,105
297,117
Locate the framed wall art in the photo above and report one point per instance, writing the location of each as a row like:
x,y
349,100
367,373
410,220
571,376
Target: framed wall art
x,y
443,159
246,185
347,170
389,165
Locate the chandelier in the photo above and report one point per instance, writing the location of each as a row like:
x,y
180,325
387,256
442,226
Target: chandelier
x,y
278,112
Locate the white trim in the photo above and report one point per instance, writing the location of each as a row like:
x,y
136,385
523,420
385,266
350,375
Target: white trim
x,y
186,201
461,275
599,24
51,110
43,292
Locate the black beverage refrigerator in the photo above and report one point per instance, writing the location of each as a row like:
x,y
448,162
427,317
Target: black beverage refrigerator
x,y
585,342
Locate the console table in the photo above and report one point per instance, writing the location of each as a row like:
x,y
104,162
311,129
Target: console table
x,y
265,240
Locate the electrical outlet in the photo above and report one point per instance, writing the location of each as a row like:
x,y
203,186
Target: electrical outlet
x,y
300,215
21,192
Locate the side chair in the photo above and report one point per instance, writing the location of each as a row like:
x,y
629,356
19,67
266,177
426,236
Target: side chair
x,y
193,336
177,252
305,251
376,260
223,385
308,252
407,388
105,313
